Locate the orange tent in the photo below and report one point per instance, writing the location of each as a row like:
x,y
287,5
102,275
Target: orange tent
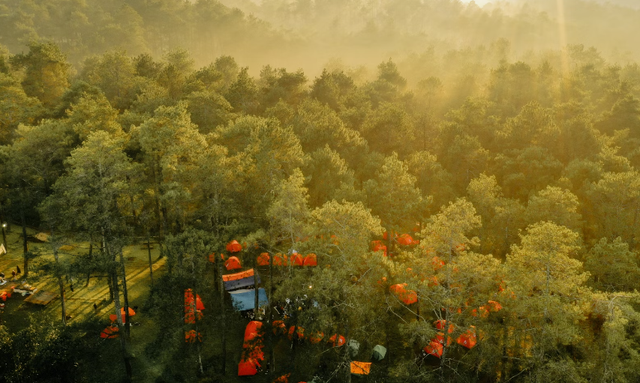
x,y
495,306
296,259
279,327
248,367
406,296
283,379
316,337
299,332
190,336
378,246
113,318
190,316
280,260
252,331
484,312
234,246
440,325
437,263
188,300
263,259
360,368
110,332
434,348
212,257
337,340
405,240
468,339
233,263
131,313
310,260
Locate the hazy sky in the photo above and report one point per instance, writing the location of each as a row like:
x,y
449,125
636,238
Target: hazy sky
x,y
479,2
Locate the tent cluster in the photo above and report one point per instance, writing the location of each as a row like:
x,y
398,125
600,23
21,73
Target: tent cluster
x,y
112,330
402,240
294,260
252,354
467,339
192,310
364,368
232,262
193,307
406,296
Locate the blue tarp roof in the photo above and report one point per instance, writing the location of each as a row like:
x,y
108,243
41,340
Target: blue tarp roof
x,y
240,283
244,299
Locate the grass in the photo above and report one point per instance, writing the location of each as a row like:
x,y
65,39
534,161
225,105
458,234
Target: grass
x,y
80,301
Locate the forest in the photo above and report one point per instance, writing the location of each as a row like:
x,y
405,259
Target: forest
x,y
457,171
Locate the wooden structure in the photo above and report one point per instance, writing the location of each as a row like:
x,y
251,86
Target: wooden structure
x,y
41,298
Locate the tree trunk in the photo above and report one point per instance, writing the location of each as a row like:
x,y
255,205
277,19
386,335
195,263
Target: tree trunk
x,y
125,292
150,262
90,255
272,370
255,289
25,245
61,286
123,341
224,322
198,344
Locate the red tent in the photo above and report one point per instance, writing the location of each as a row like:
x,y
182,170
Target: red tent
x,y
131,313
296,259
495,306
437,263
190,336
234,246
316,337
110,332
468,339
263,259
440,325
299,332
337,340
282,379
280,260
190,316
188,300
406,296
233,263
379,246
113,318
434,348
279,327
310,260
252,331
248,367
405,240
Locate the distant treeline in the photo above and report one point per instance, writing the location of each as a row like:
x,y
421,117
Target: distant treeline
x,y
519,177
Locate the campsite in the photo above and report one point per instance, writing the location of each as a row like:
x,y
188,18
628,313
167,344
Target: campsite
x,y
271,191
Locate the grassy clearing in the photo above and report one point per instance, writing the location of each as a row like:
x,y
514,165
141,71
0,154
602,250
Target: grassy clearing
x,y
80,302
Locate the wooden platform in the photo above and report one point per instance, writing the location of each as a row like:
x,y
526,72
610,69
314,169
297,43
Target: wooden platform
x,y
41,298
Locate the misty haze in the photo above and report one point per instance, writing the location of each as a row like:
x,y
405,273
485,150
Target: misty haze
x,y
319,191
